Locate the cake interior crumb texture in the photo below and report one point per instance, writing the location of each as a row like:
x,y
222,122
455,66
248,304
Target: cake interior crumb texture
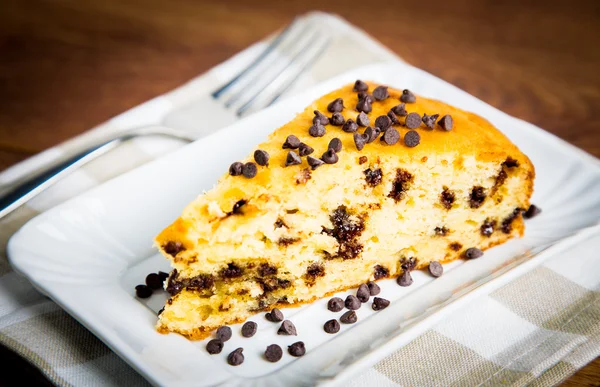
x,y
291,235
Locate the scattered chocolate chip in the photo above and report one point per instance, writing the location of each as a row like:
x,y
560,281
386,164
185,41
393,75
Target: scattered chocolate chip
x,y
236,357
261,157
214,346
287,328
273,353
249,328
335,144
314,163
373,288
381,93
362,159
413,120
383,122
435,268
143,291
373,176
360,86
249,170
153,281
350,126
352,302
292,159
400,110
408,263
429,121
291,142
363,293
440,231
163,276
336,106
446,122
173,248
393,118
223,333
472,253
408,97
447,198
349,317
454,246
487,228
391,136
510,162
405,279
297,349
320,118
362,119
373,133
305,150
235,169
337,119
335,304
380,303
275,315
332,326
532,211
364,105
360,139
477,197
380,272
412,139
330,157
317,130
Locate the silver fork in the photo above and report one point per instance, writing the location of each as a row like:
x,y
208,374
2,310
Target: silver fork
x,y
263,82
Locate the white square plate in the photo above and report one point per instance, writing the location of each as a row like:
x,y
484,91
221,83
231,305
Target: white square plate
x,y
88,253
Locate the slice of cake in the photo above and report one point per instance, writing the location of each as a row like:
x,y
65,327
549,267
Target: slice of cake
x,y
367,182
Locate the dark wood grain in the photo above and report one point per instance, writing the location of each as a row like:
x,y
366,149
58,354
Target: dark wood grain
x,y
67,65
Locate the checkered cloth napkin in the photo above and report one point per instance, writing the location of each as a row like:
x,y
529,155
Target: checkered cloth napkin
x,y
538,329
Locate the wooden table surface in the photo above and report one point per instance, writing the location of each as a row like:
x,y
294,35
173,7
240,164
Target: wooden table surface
x,y
67,65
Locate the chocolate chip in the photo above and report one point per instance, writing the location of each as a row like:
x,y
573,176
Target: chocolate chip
x,y
413,120
163,276
360,86
412,139
373,288
381,93
393,118
320,118
336,106
532,211
235,169
292,159
314,163
287,328
360,139
275,315
400,110
273,353
364,105
337,119
332,326
236,357
330,157
291,142
350,126
446,122
249,170
214,346
352,302
153,281
372,133
335,144
261,157
143,291
380,303
477,197
429,121
472,253
435,269
335,304
349,317
305,150
487,228
405,279
317,130
249,328
362,119
363,293
383,122
365,95
362,159
223,333
408,97
297,349
391,136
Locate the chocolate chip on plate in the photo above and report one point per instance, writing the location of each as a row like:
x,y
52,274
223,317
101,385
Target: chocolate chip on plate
x,y
412,139
352,302
400,110
383,122
374,289
317,130
381,93
336,106
360,139
287,328
350,126
335,144
273,353
214,346
249,170
363,119
472,253
223,333
291,142
391,136
408,97
393,117
363,293
337,119
335,304
360,86
380,303
405,279
304,149
143,291
320,118
292,159
235,169
429,121
261,157
532,211
332,326
364,105
330,157
446,122
249,328
236,357
413,120
275,315
163,276
349,317
297,349
314,163
154,281
435,268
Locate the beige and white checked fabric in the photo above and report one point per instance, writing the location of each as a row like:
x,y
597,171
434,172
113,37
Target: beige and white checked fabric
x,y
538,329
